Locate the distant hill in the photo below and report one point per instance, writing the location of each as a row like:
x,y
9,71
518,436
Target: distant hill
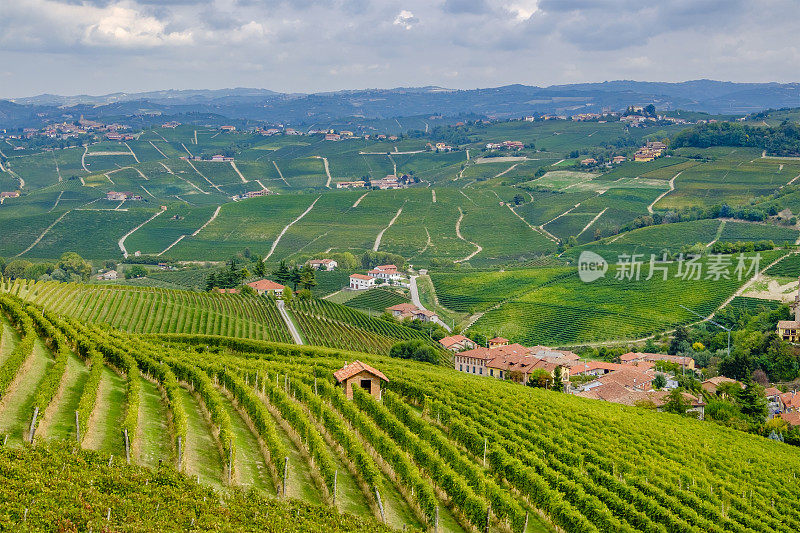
x,y
507,101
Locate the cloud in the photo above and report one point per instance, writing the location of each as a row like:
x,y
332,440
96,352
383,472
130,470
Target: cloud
x,y
405,19
310,45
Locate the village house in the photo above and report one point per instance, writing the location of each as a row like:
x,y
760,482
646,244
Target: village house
x,y
474,361
789,330
9,194
518,368
513,145
457,343
618,393
219,158
618,159
323,264
346,134
332,137
228,128
266,287
361,281
228,291
497,342
790,402
589,161
711,385
350,184
358,374
793,419
684,362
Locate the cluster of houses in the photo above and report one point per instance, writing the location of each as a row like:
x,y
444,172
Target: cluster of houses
x,y
652,150
629,382
391,181
379,274
66,130
505,145
591,161
117,196
8,194
439,147
783,405
217,158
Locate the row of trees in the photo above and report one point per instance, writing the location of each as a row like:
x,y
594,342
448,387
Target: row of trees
x,y
70,267
783,140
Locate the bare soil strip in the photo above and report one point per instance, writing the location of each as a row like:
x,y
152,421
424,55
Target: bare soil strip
x,y
359,199
131,232
289,225
48,228
478,247
233,164
380,235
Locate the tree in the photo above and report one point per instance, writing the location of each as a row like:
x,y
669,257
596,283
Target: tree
x,y
558,383
295,277
308,278
680,341
659,382
282,274
260,269
72,263
760,377
415,350
676,403
752,402
16,268
136,271
518,199
539,378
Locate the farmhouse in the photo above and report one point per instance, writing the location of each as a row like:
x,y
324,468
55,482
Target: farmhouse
x,y
323,264
387,272
588,161
457,343
332,137
360,281
350,184
413,312
121,196
107,276
790,402
9,194
362,375
257,194
389,182
228,128
267,287
219,158
619,159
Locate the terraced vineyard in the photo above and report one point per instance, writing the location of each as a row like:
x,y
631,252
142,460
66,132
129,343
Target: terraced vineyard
x,y
149,310
435,451
552,306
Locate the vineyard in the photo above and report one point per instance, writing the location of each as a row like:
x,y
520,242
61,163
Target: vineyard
x,y
435,452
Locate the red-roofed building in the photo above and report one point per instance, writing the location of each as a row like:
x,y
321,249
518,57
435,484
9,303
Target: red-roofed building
x,y
712,384
267,287
323,264
518,368
497,342
793,419
686,362
457,343
790,402
361,281
362,375
474,361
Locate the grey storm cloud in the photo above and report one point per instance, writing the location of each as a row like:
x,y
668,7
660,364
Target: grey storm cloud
x,y
316,45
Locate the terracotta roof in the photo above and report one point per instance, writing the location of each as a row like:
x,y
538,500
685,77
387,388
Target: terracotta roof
x,y
386,267
579,367
424,312
639,356
266,285
719,380
793,419
453,339
354,368
788,324
479,353
790,400
628,377
360,276
771,391
403,308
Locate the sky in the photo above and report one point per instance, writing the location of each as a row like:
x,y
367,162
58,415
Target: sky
x,y
101,46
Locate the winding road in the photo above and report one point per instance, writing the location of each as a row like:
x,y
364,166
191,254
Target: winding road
x,y
412,286
663,194
289,322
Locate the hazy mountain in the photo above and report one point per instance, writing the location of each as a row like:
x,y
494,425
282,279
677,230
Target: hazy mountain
x,y
247,104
